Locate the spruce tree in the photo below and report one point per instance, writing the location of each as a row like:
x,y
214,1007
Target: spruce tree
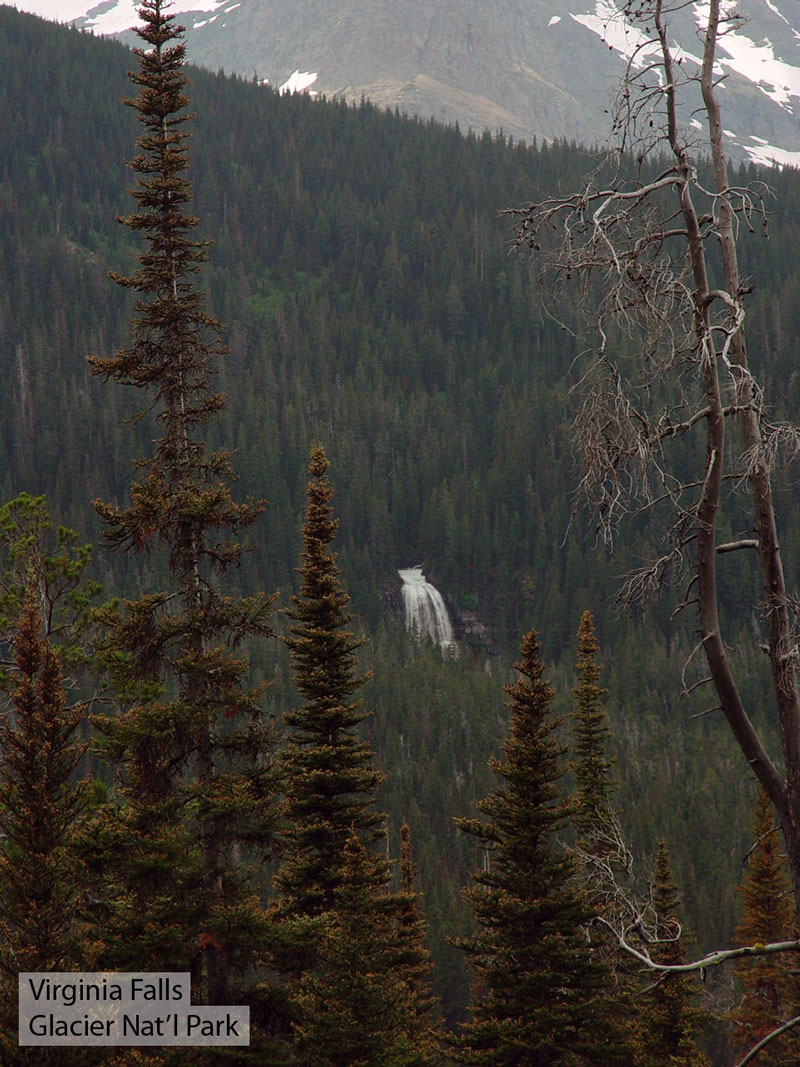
x,y
769,983
354,1007
538,982
330,777
37,555
350,950
195,782
594,783
42,880
669,1016
597,831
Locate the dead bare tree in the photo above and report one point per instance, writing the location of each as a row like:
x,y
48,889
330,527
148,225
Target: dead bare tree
x,y
610,881
637,252
607,871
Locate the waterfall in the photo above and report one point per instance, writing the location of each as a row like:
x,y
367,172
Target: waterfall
x,y
424,609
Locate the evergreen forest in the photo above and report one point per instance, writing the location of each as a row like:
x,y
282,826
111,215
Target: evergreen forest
x,y
379,385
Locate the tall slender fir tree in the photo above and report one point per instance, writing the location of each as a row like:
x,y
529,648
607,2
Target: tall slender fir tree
x,y
594,782
196,782
330,776
538,981
42,880
594,818
769,983
354,961
413,961
669,1016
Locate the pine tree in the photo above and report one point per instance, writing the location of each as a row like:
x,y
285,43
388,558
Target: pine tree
x,y
351,950
769,983
196,783
538,981
594,784
42,881
669,1018
353,1005
36,554
330,777
597,830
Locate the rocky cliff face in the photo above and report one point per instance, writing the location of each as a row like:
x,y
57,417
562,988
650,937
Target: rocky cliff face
x,y
545,69
496,64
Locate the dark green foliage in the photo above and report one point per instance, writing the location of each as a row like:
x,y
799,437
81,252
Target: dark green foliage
x,y
352,950
354,1005
597,837
669,1019
594,784
538,983
344,241
413,961
190,740
35,553
42,881
330,777
769,984
434,719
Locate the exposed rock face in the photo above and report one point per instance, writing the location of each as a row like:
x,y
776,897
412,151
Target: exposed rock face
x,y
495,65
546,69
533,68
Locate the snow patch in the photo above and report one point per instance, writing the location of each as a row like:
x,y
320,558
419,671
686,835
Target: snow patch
x,y
298,83
55,10
119,17
775,11
609,23
767,155
756,62
634,45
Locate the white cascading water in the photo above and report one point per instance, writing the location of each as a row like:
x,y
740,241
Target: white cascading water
x,y
424,609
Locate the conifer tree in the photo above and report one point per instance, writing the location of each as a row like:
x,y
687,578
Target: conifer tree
x,y
769,983
42,881
669,1018
195,779
597,829
330,777
538,981
354,1006
594,784
350,949
36,554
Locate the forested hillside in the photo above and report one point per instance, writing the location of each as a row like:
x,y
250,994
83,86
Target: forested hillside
x,y
362,268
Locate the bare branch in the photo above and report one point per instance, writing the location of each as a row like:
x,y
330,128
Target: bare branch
x,y
707,711
755,844
751,1055
691,689
630,250
713,959
733,546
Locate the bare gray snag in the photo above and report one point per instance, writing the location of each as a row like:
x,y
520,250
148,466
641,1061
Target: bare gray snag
x,y
610,881
635,252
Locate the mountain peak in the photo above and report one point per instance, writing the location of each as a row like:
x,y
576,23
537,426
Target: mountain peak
x,y
547,70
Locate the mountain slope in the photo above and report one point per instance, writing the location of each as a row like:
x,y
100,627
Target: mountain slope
x,y
362,270
547,69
